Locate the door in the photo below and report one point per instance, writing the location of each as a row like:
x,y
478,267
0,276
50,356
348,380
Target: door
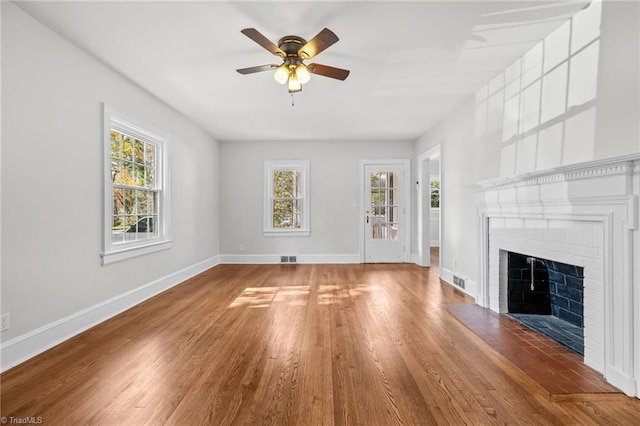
x,y
385,213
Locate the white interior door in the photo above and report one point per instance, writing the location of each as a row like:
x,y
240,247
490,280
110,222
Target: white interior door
x,y
385,213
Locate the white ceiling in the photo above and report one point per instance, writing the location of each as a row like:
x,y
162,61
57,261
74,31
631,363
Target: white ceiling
x,y
411,62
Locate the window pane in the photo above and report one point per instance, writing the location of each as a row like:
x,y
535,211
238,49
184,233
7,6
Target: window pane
x,y
282,213
129,201
118,201
394,214
141,202
116,175
393,180
375,180
116,144
393,197
376,231
283,183
127,173
151,202
150,155
149,177
435,194
127,147
392,231
155,227
138,151
297,183
297,213
375,197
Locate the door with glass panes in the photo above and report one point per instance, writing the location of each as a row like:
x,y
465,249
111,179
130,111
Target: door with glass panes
x,y
384,213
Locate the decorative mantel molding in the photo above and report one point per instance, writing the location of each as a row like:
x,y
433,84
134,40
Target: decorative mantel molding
x,y
542,213
628,164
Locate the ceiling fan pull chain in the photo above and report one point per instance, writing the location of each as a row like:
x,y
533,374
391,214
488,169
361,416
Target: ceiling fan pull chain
x,y
292,103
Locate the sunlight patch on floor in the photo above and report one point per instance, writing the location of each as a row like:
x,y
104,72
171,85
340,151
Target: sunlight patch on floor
x,y
298,295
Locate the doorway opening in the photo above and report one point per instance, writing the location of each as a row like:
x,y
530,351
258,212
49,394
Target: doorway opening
x,y
429,190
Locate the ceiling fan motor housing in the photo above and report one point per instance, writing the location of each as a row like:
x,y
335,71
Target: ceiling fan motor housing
x,y
291,44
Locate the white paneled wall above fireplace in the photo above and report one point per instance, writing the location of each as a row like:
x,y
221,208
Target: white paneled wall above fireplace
x,y
583,215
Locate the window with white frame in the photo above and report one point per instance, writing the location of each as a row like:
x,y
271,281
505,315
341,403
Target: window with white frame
x,y
136,194
286,198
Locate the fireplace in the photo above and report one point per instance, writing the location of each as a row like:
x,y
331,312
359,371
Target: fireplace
x,y
548,297
580,220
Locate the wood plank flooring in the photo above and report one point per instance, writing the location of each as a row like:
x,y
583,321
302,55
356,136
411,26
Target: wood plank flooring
x,y
293,345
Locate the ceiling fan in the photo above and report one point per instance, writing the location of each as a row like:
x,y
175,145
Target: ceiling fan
x,y
293,50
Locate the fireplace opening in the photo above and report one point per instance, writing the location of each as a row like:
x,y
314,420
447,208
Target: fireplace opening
x,y
547,296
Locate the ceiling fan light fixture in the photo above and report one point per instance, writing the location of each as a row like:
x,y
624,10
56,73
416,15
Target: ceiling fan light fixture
x,y
293,50
303,74
282,74
294,83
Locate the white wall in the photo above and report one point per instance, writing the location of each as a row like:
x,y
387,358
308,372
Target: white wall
x,y
52,181
334,195
489,137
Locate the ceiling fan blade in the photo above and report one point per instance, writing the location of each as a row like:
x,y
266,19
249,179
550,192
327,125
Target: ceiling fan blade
x,y
327,71
320,42
256,36
259,68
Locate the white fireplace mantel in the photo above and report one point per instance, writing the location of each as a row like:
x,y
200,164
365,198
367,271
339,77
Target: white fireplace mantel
x,y
583,214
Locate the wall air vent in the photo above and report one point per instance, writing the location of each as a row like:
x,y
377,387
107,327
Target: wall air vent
x,y
288,259
458,281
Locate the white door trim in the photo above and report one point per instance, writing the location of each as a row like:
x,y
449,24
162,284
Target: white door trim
x,y
424,209
405,233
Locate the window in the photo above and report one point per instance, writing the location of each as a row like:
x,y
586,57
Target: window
x,y
435,193
135,195
286,201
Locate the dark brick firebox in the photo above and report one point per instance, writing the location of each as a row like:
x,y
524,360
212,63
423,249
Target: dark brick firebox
x,y
554,307
558,288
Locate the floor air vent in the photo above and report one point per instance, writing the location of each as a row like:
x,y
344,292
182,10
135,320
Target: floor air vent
x,y
288,259
458,281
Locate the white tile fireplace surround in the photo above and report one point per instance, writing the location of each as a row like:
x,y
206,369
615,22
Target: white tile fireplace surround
x,y
583,215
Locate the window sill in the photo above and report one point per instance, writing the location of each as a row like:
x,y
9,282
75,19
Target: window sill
x,y
131,252
286,233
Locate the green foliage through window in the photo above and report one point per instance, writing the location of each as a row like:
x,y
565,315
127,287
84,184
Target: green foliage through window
x,y
435,194
133,175
287,199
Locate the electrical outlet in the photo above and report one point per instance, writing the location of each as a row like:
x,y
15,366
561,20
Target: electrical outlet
x,y
241,247
5,321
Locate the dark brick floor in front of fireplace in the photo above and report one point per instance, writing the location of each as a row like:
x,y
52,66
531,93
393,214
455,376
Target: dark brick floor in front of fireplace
x,y
554,367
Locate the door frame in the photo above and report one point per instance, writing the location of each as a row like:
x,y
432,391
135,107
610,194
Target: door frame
x,y
405,232
424,209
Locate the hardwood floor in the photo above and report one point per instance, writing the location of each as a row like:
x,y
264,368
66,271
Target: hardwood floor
x,y
293,345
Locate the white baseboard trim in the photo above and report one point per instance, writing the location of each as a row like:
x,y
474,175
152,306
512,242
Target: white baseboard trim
x,y
415,258
275,258
28,345
471,287
435,243
619,379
